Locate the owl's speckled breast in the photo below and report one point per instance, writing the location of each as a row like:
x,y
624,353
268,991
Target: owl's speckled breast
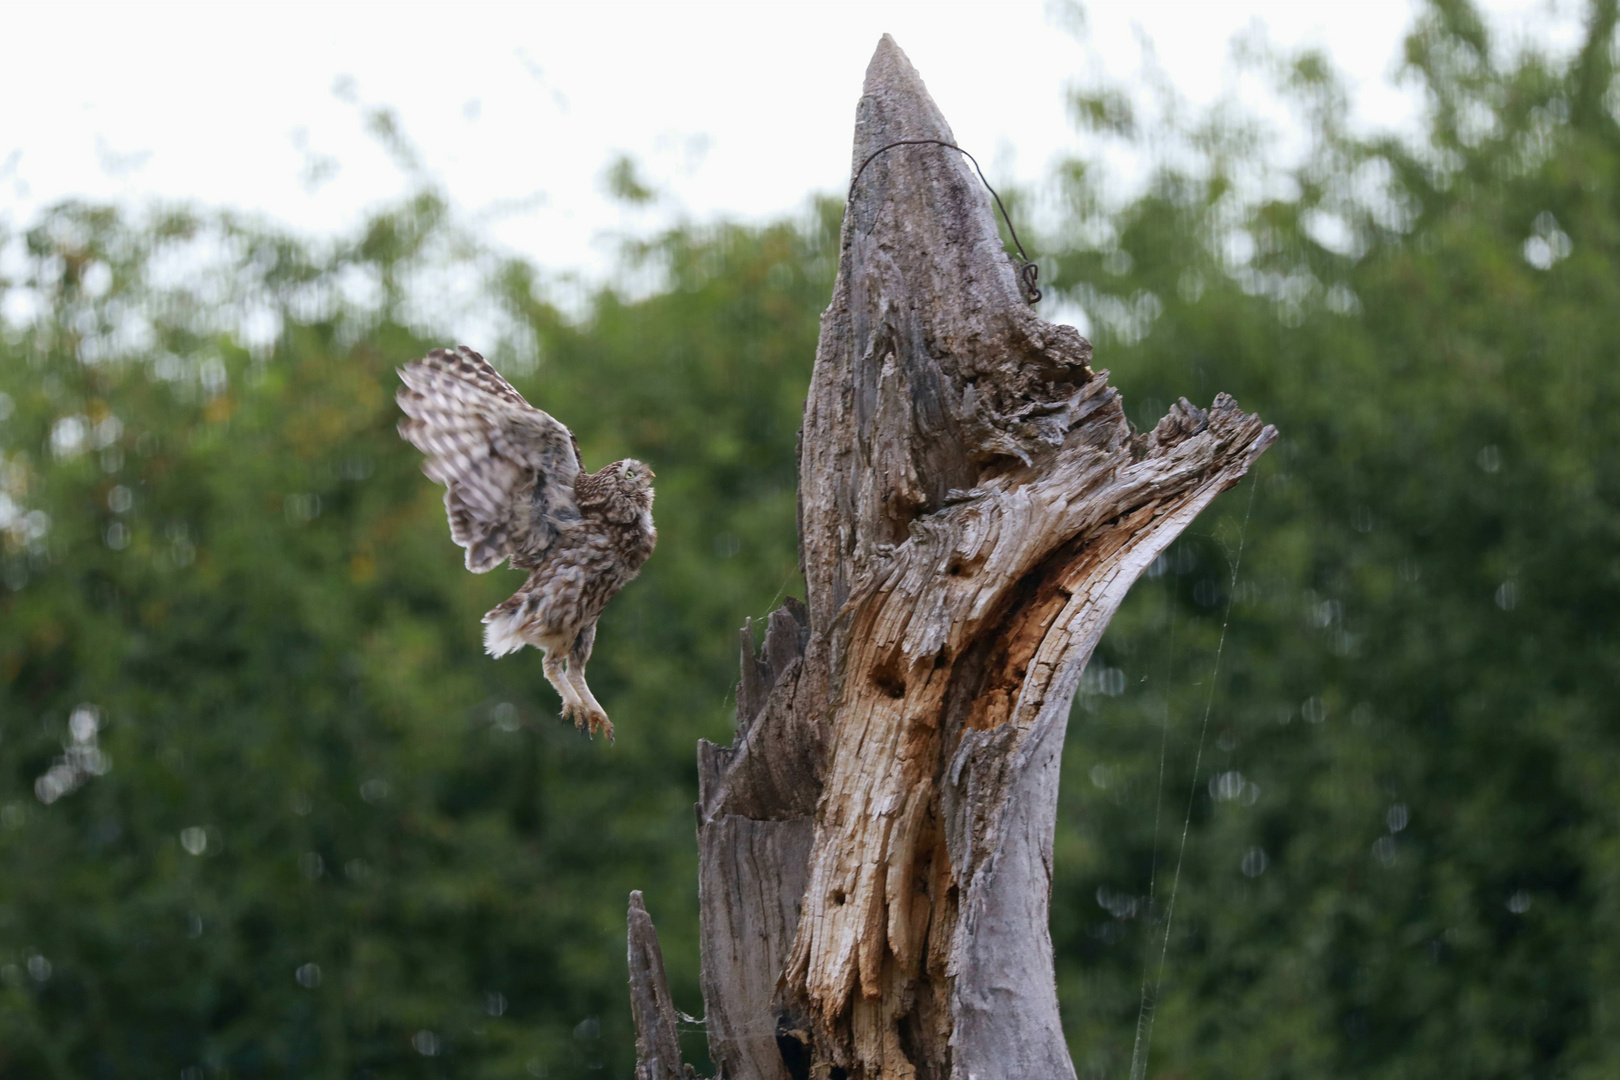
x,y
581,572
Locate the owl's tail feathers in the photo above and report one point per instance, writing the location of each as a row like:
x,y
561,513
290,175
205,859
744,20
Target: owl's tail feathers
x,y
503,627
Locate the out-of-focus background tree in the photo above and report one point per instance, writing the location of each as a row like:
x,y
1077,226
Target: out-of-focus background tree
x,y
267,810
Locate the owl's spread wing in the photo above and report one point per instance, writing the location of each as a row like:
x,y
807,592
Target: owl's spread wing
x,y
507,467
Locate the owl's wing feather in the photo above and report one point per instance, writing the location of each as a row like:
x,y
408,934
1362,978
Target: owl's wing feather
x,y
507,467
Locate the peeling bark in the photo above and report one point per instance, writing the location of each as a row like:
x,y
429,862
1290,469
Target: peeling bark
x,y
876,846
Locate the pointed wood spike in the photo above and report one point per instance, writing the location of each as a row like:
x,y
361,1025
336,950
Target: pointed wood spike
x,y
658,1043
876,850
930,362
942,410
895,106
784,640
754,684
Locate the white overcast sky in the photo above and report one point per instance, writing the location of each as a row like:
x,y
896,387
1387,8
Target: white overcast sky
x,y
734,109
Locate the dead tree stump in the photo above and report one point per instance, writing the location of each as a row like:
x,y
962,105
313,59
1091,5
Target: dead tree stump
x,y
876,845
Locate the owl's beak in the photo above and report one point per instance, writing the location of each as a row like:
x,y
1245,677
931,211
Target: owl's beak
x,y
650,474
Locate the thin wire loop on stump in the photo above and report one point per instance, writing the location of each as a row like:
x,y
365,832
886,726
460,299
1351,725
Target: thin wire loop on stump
x,y
1028,272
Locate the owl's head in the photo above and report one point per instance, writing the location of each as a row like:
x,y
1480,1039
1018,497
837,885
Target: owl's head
x,y
632,478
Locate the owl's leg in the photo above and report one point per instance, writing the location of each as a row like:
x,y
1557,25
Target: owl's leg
x,y
573,708
577,657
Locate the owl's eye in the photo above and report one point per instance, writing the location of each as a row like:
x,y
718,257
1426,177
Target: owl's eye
x,y
629,474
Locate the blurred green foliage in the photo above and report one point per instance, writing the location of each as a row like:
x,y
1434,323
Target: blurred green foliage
x,y
267,810
1402,856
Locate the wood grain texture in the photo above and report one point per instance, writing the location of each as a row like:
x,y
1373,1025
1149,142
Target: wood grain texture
x,y
658,1043
876,846
755,801
751,878
974,507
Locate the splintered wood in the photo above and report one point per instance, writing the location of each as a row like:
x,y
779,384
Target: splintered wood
x,y
876,846
973,618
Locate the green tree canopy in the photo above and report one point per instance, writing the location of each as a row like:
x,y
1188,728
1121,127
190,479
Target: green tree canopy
x,y
1400,860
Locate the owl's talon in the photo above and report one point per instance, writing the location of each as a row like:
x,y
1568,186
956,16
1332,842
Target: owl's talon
x,y
587,719
600,722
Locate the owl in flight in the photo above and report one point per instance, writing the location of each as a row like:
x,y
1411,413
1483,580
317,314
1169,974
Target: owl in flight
x,y
515,488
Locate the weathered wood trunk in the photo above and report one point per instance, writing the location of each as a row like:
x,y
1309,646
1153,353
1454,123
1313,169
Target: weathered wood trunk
x,y
876,846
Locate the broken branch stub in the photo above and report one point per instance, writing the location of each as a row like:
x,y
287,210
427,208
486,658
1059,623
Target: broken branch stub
x,y
876,847
658,1041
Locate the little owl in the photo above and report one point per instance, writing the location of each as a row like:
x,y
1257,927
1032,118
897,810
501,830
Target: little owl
x,y
515,488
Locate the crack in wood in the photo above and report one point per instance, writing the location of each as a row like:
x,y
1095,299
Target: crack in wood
x,y
875,847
